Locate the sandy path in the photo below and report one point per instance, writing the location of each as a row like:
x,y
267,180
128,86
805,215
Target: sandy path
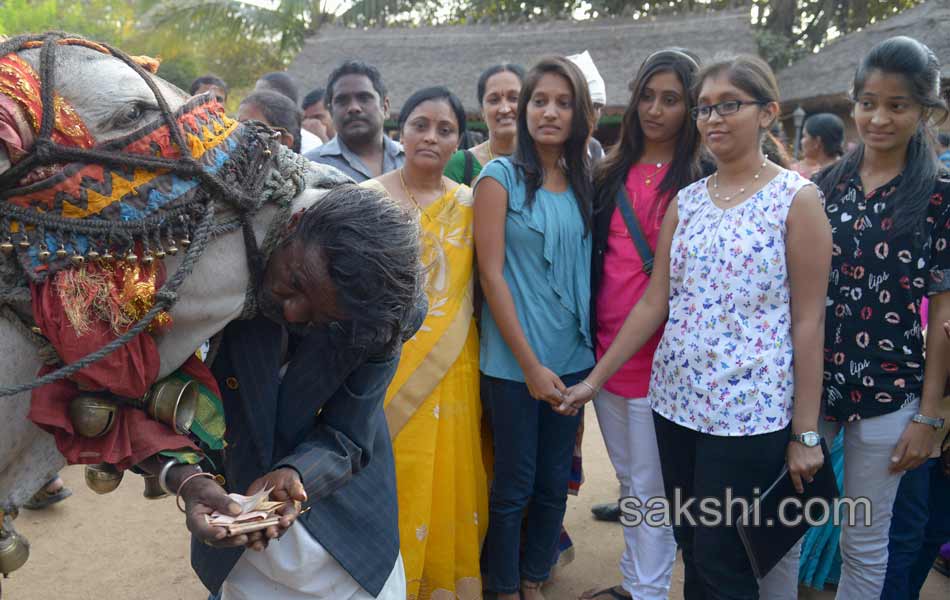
x,y
122,547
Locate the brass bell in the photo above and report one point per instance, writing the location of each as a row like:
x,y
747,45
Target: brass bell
x,y
14,551
148,259
159,254
107,255
173,402
61,252
92,255
78,259
102,478
172,248
7,246
131,257
185,241
43,254
153,491
92,416
24,242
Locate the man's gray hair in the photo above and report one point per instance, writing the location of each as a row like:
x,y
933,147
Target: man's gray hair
x,y
372,250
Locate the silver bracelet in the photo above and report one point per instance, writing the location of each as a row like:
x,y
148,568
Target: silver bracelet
x,y
163,476
587,384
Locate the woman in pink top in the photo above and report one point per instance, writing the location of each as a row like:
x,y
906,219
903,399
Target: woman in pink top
x,y
658,153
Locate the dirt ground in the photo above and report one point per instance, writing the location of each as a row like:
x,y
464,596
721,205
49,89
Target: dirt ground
x,y
123,547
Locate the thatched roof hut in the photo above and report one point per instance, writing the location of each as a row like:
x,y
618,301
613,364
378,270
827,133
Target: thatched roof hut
x,y
454,56
821,82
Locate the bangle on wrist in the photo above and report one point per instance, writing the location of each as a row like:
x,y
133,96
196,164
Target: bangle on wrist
x,y
589,386
185,482
163,476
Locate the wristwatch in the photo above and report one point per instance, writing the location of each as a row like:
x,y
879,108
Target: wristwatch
x,y
809,439
935,422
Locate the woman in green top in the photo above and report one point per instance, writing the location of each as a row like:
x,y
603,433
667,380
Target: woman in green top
x,y
498,89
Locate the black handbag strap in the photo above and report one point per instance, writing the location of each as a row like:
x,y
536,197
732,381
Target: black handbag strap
x,y
469,172
636,233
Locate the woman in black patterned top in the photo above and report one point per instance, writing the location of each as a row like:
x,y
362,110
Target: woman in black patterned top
x,y
889,209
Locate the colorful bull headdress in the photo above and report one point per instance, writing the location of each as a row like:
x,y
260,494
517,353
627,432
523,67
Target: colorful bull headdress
x,y
66,199
69,205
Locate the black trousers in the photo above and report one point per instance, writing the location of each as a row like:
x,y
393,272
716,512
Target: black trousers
x,y
703,466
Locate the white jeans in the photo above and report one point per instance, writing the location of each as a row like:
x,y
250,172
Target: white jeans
x,y
627,427
297,567
781,583
868,446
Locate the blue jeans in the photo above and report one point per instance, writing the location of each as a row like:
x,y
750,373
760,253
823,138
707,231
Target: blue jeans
x,y
920,525
533,450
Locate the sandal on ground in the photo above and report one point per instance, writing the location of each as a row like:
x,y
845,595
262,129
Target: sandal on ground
x,y
44,499
612,593
530,585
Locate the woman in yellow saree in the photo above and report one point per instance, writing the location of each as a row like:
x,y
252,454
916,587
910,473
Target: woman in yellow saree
x,y
433,406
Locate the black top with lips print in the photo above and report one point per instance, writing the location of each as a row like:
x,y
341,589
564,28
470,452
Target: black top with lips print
x,y
873,357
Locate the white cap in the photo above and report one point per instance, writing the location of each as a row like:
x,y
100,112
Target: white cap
x,y
598,89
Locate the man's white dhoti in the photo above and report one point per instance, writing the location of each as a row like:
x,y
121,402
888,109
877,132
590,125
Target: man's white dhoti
x,y
297,567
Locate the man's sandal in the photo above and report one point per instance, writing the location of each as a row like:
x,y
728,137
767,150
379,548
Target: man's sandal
x,y
43,499
612,593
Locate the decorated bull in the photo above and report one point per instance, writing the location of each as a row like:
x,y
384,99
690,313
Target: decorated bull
x,y
134,223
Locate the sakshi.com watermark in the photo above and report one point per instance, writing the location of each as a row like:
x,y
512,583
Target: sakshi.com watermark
x,y
731,510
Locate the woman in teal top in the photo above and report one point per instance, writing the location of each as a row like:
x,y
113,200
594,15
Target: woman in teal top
x,y
532,238
497,92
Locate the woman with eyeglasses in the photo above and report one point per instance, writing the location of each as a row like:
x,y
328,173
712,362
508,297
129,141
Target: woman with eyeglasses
x,y
740,278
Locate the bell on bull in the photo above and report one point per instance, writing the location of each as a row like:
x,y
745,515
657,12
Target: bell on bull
x,y
92,416
102,478
14,551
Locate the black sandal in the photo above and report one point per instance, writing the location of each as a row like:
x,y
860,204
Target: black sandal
x,y
610,593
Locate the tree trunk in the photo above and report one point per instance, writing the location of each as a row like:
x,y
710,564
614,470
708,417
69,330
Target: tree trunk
x,y
782,18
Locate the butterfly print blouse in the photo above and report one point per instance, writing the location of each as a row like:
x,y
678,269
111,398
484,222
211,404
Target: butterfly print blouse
x,y
724,364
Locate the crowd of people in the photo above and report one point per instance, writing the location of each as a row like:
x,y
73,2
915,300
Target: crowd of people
x,y
723,310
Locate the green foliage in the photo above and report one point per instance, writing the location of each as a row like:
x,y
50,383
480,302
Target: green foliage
x,y
107,20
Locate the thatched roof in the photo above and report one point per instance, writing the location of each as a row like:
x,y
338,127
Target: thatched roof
x,y
454,56
825,78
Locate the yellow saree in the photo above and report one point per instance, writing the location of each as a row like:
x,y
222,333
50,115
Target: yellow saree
x,y
435,418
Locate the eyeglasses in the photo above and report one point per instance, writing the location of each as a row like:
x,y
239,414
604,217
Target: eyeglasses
x,y
722,109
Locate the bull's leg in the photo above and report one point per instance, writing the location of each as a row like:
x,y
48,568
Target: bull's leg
x,y
28,455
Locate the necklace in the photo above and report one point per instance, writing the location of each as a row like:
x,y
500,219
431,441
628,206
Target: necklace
x,y
742,189
405,188
649,178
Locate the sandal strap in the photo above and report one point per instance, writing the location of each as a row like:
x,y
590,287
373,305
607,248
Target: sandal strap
x,y
531,585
